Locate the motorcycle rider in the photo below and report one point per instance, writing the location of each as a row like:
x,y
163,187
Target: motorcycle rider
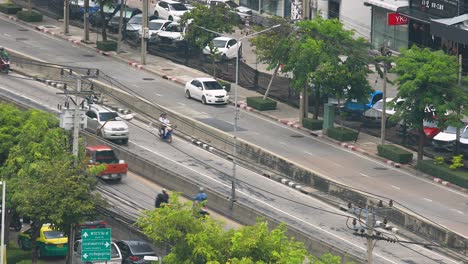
x,y
3,54
161,198
164,123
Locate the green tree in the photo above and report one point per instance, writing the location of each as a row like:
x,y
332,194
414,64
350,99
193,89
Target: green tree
x,y
315,56
273,47
10,123
44,184
426,78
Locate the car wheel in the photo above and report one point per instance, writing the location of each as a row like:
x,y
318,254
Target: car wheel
x,y
187,94
240,52
125,141
170,18
156,13
203,100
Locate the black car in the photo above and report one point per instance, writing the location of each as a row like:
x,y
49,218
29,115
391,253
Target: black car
x,y
133,251
128,13
88,225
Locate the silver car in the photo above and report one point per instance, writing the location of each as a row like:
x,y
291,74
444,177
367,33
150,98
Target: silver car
x,y
106,123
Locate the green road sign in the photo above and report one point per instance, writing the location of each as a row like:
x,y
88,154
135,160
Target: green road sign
x,y
96,244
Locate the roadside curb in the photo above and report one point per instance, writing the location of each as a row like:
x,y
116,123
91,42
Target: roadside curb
x,y
449,184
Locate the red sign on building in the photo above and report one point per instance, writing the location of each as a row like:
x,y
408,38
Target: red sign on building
x,y
395,19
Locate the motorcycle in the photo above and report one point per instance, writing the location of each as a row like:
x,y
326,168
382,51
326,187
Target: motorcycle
x,y
168,136
4,65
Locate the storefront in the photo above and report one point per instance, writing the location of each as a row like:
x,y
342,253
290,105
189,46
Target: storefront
x,y
280,8
387,26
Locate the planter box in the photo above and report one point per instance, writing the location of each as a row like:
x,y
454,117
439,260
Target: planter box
x,y
458,176
10,8
108,45
395,153
342,134
312,124
260,104
29,17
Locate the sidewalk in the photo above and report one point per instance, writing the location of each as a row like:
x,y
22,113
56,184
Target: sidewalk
x,y
285,114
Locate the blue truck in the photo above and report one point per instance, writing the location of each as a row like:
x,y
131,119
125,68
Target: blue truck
x,y
356,108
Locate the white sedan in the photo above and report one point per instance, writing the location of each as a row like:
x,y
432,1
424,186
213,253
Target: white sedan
x,y
225,48
155,26
207,90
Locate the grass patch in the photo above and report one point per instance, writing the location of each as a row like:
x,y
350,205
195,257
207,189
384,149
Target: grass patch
x,y
108,45
442,171
312,124
19,256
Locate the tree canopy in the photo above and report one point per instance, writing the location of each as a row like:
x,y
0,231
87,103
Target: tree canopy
x,y
195,239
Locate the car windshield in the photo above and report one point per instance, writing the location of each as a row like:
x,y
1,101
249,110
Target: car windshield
x,y
127,14
53,234
219,43
212,85
450,130
114,252
231,4
140,248
136,20
174,28
155,25
429,123
178,7
106,156
465,134
106,116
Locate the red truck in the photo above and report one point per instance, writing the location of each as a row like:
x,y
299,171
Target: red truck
x,y
115,168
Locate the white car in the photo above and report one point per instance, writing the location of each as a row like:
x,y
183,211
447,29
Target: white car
x,y
170,10
445,140
375,112
207,90
116,255
155,26
245,13
107,123
225,48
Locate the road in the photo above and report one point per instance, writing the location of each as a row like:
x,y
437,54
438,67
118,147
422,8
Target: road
x,y
271,198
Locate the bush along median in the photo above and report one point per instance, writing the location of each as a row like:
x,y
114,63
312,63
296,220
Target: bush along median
x,y
10,8
395,153
27,16
342,134
458,176
312,124
108,45
260,104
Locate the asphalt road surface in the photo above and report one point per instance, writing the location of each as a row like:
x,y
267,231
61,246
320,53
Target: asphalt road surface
x,y
271,198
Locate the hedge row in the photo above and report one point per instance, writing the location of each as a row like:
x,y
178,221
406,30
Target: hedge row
x,y
342,134
108,45
395,153
312,124
260,104
10,8
458,177
29,16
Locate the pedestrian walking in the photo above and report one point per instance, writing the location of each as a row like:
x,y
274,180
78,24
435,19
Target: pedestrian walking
x,y
162,197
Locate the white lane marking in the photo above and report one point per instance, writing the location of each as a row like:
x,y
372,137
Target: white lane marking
x,y
204,113
365,175
8,35
308,153
357,154
458,211
282,143
427,199
158,94
266,204
337,164
181,103
396,187
30,99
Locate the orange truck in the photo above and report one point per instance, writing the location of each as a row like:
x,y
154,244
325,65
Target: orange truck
x,y
115,168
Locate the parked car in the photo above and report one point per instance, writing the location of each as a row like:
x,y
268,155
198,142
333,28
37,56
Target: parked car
x,y
49,243
244,13
445,140
115,168
134,251
155,26
109,12
88,225
375,112
116,255
170,10
358,108
172,37
207,90
225,48
107,123
77,8
127,15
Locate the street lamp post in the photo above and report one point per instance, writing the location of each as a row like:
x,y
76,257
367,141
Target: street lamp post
x,y
236,111
2,245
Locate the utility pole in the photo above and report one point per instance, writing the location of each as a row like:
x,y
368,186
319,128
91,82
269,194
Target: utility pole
x,y
119,41
370,233
76,121
457,134
383,122
66,16
86,21
2,247
144,36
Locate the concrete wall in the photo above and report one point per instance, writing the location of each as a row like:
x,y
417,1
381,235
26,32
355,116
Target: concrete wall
x,y
252,153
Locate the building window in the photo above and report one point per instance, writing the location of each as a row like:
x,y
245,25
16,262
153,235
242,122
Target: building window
x,y
395,36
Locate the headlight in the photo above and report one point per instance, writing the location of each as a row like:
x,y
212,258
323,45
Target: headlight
x,y
209,95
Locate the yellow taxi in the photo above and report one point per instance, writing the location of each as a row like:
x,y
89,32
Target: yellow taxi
x,y
49,243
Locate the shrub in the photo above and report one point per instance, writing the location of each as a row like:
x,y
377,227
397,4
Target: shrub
x,y
29,17
439,160
458,177
395,153
312,124
260,104
108,45
342,134
457,162
227,85
10,8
